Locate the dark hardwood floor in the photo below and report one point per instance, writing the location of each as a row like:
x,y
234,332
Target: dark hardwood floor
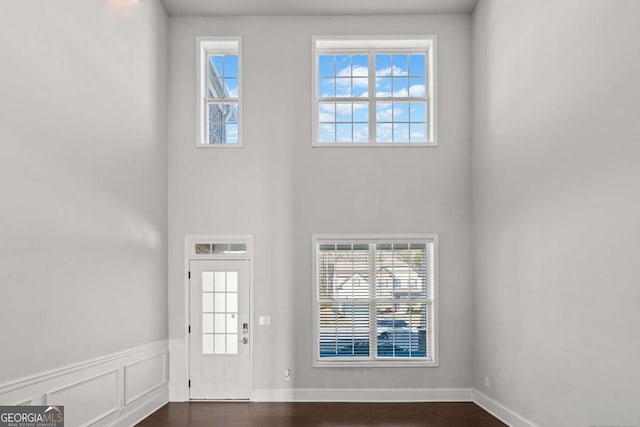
x,y
235,414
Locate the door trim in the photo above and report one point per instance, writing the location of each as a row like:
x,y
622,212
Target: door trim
x,y
189,255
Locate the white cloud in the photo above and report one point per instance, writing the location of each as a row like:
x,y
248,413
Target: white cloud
x,y
343,134
396,71
327,133
326,117
344,84
343,90
342,109
399,112
384,115
360,82
417,90
326,113
358,71
401,93
417,135
327,87
383,133
360,135
401,132
345,107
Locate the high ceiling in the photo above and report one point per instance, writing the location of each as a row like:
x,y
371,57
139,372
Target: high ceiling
x,y
314,7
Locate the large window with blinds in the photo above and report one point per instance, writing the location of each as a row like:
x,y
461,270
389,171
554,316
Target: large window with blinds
x,y
375,300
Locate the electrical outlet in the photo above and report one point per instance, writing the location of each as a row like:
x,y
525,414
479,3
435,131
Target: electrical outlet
x,y
287,374
487,382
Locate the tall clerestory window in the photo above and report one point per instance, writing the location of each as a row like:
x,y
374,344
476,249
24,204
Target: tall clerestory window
x,y
378,92
219,88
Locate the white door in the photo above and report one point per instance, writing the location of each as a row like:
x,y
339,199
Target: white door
x,y
219,365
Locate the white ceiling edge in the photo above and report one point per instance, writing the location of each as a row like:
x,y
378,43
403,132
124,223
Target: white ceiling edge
x,y
315,7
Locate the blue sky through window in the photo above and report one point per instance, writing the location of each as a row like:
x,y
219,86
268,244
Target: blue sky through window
x,y
223,116
226,75
401,75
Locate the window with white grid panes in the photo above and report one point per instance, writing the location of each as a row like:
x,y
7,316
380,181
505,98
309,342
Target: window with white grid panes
x,y
343,108
375,301
220,93
375,95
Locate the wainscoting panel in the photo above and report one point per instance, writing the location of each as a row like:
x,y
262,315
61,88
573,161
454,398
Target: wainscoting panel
x,y
144,376
89,401
116,390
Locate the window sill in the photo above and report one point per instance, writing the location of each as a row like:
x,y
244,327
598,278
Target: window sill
x,y
376,364
374,145
218,145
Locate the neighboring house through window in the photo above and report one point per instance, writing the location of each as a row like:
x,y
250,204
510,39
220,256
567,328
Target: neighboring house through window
x,y
219,88
375,300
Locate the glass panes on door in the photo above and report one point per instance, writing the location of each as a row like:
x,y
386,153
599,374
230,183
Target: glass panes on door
x,y
220,312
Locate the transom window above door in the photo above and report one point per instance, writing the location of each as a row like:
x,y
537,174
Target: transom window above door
x,y
374,92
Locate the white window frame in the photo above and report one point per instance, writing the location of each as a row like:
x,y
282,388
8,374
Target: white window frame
x,y
215,45
373,361
372,45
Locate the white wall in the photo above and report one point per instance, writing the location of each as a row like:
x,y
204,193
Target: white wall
x,y
281,190
83,175
557,212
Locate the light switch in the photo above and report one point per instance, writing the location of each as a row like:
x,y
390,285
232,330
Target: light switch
x,y
264,320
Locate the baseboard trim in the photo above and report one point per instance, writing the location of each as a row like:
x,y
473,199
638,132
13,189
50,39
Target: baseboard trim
x,y
495,408
142,408
500,411
363,395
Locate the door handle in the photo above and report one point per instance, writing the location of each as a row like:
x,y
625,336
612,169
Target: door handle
x,y
244,340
